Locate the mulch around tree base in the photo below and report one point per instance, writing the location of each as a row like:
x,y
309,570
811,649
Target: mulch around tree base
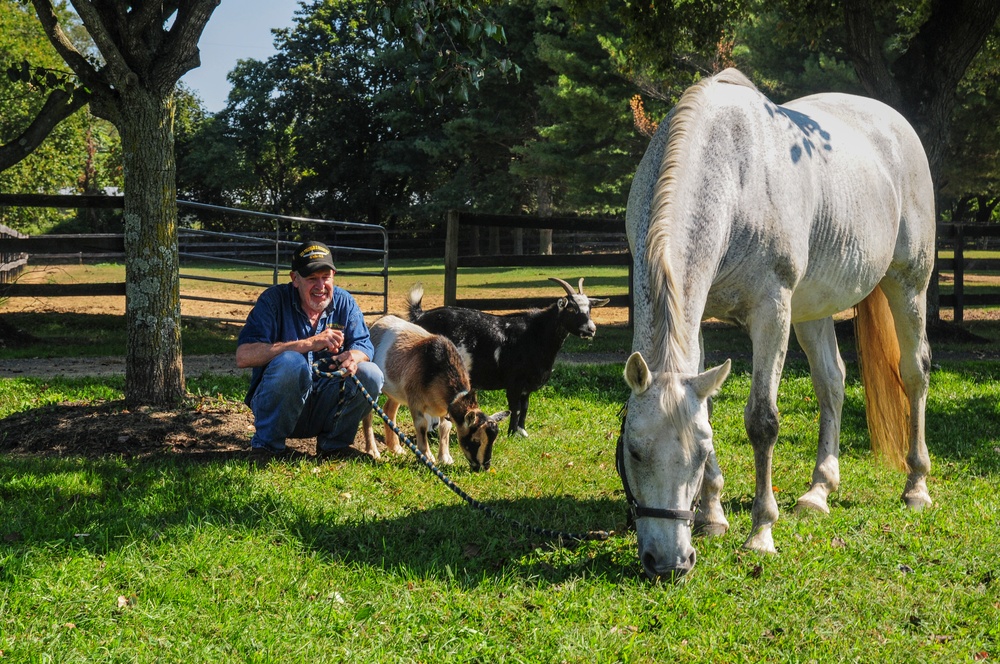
x,y
207,429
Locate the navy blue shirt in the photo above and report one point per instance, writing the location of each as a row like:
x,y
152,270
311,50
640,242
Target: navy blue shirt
x,y
277,317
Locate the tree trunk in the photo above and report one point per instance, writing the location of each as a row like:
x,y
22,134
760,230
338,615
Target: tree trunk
x,y
154,374
544,210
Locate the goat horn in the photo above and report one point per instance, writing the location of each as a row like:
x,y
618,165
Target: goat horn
x,y
569,289
581,286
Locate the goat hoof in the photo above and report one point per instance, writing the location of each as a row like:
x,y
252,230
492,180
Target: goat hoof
x,y
519,432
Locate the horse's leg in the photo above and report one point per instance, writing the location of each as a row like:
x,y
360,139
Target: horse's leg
x,y
710,519
819,340
909,312
769,326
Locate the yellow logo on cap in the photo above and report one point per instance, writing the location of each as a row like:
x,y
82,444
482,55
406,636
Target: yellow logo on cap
x,y
313,252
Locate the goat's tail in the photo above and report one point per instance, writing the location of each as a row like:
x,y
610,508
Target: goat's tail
x,y
414,300
886,405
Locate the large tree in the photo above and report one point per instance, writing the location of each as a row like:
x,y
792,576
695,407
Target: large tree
x,y
143,49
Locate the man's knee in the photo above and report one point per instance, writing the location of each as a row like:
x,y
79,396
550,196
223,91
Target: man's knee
x,y
371,377
290,369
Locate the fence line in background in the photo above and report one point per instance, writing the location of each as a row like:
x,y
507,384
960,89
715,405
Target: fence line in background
x,y
609,248
257,249
11,262
575,242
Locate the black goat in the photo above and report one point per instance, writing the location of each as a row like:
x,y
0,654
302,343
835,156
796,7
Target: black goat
x,y
513,352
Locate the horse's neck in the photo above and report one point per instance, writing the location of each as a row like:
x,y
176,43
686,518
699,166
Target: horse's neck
x,y
671,347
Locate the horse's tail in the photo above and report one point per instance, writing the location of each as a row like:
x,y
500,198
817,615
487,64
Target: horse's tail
x,y
886,404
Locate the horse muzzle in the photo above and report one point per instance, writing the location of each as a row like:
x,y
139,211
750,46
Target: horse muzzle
x,y
671,572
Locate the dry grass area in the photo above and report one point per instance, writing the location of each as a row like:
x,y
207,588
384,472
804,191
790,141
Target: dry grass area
x,y
399,286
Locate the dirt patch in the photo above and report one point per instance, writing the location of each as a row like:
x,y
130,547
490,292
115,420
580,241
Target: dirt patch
x,y
109,429
73,367
200,429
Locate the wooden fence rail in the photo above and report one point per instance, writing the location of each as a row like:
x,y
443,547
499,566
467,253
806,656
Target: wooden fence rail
x,y
11,262
453,259
252,249
957,236
602,240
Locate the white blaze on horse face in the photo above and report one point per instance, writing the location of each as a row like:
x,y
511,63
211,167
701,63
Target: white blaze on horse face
x,y
667,439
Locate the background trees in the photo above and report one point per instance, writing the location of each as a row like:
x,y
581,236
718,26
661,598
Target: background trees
x,y
530,113
79,154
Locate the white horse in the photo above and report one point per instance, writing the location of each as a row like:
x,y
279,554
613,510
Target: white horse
x,y
771,217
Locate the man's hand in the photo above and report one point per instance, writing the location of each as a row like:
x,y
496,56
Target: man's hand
x,y
330,340
347,363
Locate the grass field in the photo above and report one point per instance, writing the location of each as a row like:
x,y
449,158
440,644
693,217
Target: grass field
x,y
171,558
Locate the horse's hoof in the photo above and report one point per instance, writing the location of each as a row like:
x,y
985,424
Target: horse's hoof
x,y
707,529
917,500
761,542
810,505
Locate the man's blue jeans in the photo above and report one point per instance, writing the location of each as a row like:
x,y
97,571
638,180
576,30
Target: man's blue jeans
x,y
292,403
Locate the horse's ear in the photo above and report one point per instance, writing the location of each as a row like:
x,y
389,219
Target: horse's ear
x,y
637,374
708,383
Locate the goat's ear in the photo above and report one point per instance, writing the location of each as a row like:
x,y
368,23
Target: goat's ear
x,y
561,303
501,416
598,301
470,418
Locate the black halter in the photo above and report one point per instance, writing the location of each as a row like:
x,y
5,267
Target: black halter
x,y
635,510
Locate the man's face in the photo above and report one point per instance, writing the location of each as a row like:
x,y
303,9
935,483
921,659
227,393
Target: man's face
x,y
315,291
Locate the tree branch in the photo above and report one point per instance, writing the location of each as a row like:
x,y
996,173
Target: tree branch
x,y
59,106
864,44
79,64
119,72
180,52
946,44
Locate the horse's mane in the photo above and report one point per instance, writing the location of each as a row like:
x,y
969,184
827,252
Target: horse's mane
x,y
671,339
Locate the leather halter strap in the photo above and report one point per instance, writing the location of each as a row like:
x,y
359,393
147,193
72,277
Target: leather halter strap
x,y
634,508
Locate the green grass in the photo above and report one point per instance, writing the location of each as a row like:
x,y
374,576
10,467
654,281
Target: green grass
x,y
171,559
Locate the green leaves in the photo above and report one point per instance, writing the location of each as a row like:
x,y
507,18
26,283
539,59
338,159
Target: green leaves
x,y
43,78
454,37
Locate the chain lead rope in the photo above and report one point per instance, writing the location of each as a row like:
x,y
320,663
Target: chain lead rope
x,y
590,535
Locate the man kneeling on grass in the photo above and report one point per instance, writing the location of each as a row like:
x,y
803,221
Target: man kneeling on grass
x,y
290,327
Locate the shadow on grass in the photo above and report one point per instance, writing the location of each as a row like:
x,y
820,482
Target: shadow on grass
x,y
113,507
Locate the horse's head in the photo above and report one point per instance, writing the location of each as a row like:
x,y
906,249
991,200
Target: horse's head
x,y
666,440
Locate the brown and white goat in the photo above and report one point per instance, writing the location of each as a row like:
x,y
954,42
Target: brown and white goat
x,y
424,372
